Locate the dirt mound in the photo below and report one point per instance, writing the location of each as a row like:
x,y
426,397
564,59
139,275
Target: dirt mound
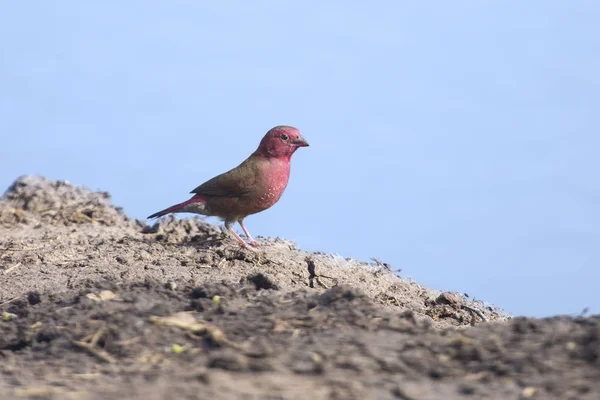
x,y
33,199
107,245
100,306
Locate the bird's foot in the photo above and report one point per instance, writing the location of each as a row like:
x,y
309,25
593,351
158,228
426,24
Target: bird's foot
x,y
258,244
241,241
246,246
249,239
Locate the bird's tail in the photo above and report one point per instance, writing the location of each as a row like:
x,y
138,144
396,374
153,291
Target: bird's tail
x,y
194,205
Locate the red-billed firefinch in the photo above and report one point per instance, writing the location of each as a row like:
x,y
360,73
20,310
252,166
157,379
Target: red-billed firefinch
x,y
251,187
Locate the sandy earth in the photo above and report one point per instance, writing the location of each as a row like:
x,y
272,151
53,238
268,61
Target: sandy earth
x,y
95,305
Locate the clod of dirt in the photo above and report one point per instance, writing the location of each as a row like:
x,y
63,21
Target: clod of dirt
x,y
340,293
262,281
448,298
33,298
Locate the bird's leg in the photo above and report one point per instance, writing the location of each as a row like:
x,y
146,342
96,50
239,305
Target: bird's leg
x,y
229,226
251,240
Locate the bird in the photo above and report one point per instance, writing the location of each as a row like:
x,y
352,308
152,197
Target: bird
x,y
253,186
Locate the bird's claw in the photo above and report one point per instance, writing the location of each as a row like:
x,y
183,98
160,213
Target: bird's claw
x,y
248,247
258,244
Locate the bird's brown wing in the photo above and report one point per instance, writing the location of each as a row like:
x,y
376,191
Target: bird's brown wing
x,y
233,183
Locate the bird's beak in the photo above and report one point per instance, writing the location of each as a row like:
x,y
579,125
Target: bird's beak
x,y
300,142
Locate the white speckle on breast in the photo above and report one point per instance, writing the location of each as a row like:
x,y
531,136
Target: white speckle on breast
x,y
272,195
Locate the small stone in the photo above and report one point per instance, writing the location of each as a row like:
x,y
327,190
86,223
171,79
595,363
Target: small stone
x,y
447,298
528,392
103,295
6,316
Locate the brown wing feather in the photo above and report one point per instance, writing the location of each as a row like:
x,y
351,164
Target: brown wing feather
x,y
233,183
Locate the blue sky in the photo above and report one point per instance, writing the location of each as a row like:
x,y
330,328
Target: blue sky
x,y
457,141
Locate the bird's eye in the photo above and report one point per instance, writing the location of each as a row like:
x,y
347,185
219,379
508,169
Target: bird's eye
x,y
284,137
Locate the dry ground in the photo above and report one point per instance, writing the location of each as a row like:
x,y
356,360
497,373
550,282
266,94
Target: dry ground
x,y
95,305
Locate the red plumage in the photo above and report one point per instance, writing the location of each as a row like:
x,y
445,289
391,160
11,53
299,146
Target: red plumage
x,y
251,187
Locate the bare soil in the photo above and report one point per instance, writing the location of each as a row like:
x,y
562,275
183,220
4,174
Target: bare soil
x,y
95,305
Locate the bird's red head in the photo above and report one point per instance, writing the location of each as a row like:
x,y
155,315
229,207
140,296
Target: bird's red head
x,y
281,142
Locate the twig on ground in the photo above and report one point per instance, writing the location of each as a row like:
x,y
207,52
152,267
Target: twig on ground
x,y
22,249
476,311
91,346
101,354
9,270
9,301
